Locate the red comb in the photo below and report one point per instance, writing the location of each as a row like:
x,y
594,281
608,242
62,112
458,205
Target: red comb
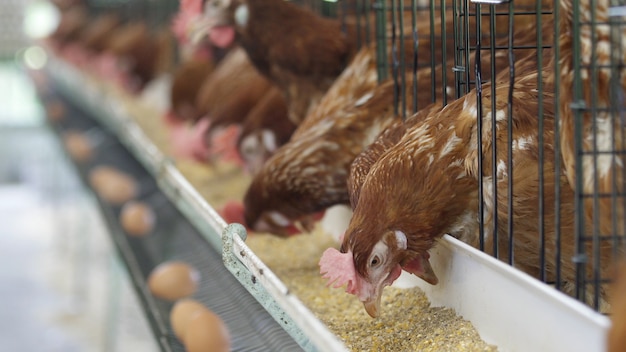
x,y
224,143
200,150
189,10
194,6
338,268
188,141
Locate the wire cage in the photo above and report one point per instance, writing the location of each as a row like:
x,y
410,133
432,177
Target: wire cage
x,y
569,57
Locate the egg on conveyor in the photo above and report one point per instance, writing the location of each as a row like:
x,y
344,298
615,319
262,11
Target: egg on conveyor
x,y
137,218
113,185
181,313
206,332
173,280
78,146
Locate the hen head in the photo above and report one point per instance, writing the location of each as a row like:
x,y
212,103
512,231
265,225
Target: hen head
x,y
406,202
266,127
272,208
288,192
218,20
303,178
373,257
256,147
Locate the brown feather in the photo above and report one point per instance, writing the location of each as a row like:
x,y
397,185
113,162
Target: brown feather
x,y
269,115
186,83
218,94
427,184
310,173
144,54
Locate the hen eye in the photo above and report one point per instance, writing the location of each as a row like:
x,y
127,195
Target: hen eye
x,y
375,261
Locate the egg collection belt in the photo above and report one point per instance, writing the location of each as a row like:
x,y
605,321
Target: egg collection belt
x,y
251,327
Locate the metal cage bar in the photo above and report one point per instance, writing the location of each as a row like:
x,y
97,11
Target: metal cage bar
x,y
480,35
464,42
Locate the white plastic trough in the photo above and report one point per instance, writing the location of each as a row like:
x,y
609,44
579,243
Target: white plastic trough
x,y
507,307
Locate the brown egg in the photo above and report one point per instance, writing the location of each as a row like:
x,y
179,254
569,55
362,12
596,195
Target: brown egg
x,y
206,332
181,313
173,280
137,218
55,110
78,146
113,185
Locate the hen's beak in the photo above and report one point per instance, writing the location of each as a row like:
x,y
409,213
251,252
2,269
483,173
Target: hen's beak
x,y
372,307
306,223
371,298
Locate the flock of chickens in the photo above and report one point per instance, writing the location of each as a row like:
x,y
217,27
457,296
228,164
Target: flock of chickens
x,y
293,98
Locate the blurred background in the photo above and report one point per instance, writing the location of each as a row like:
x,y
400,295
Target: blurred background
x,y
61,284
64,287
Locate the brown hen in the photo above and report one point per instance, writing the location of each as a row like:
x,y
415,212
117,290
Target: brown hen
x,y
226,98
426,185
73,20
187,141
139,54
187,80
266,128
299,51
95,36
309,173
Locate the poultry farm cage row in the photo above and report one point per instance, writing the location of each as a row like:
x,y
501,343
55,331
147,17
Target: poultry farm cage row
x,y
575,69
547,75
441,51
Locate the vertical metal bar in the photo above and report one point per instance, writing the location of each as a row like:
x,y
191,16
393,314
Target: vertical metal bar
x,y
556,49
342,16
619,53
368,26
479,139
614,106
415,51
394,57
617,119
509,113
596,175
444,59
358,12
433,89
461,54
492,49
458,50
468,76
621,107
381,40
580,258
402,59
494,135
540,141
